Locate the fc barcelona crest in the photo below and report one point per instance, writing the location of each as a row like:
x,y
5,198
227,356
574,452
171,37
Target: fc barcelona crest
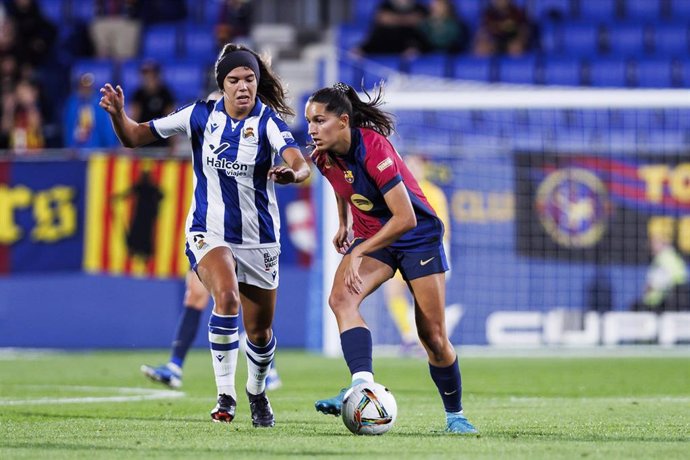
x,y
349,177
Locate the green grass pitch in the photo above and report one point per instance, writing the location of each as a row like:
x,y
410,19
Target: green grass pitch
x,y
91,405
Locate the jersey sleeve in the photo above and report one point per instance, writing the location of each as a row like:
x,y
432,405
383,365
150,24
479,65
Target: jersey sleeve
x,y
381,163
176,122
279,135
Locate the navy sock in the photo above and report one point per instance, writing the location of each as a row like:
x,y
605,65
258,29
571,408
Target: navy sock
x,y
449,384
187,328
356,344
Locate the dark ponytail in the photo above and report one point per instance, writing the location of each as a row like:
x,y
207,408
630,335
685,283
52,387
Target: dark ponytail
x,y
342,98
269,87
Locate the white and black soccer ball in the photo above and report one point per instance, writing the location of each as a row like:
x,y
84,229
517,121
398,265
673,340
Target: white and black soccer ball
x,y
369,408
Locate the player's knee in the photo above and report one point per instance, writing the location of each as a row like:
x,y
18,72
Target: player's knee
x,y
434,341
198,301
227,301
339,301
259,336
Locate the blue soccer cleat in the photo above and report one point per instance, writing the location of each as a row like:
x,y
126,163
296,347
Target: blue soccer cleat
x,y
168,374
273,381
458,424
334,405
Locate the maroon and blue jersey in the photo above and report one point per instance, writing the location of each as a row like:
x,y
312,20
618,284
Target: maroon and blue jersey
x,y
363,176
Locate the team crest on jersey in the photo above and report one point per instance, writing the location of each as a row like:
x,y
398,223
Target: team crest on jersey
x,y
248,133
199,242
361,202
349,177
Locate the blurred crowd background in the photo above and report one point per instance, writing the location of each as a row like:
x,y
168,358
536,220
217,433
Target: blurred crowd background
x,y
55,54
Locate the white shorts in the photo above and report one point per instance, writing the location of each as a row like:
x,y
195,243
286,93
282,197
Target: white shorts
x,y
255,266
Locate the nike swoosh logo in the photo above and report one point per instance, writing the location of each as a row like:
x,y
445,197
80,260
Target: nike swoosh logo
x,y
452,392
424,262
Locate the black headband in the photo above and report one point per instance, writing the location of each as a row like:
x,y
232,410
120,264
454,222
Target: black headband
x,y
237,58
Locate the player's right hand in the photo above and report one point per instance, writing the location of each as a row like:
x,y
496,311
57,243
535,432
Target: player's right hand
x,y
113,99
340,241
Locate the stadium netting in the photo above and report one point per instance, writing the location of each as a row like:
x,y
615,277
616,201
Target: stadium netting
x,y
553,195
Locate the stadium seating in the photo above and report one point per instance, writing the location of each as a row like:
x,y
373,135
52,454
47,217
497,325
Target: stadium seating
x,y
518,70
671,39
470,11
597,10
83,10
543,9
198,43
580,39
103,70
435,65
562,71
160,42
679,9
607,72
350,35
185,79
653,73
626,39
473,68
646,10
54,10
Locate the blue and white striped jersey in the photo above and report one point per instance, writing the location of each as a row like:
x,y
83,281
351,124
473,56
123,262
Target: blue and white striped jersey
x,y
233,197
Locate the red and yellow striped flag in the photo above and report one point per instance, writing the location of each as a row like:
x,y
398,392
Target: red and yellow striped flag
x,y
105,248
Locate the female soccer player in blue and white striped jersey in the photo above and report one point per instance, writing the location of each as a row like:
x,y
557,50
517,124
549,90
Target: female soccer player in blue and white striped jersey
x,y
233,225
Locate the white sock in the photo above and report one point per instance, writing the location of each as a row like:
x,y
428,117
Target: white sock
x,y
259,361
224,343
363,375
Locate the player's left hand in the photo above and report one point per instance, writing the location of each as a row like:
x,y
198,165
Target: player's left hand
x,y
282,175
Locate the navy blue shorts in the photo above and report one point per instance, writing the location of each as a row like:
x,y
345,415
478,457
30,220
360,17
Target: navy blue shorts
x,y
423,261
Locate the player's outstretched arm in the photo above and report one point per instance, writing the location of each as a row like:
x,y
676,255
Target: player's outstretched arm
x,y
130,133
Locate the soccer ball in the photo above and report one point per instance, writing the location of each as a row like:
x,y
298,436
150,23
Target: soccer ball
x,y
369,408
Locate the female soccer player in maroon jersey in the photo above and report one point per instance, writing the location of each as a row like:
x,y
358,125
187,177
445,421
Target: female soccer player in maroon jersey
x,y
394,228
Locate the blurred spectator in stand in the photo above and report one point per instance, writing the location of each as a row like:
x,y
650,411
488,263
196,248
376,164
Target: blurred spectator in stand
x,y
666,287
504,29
84,124
152,99
157,11
36,33
21,126
444,30
234,21
396,29
115,29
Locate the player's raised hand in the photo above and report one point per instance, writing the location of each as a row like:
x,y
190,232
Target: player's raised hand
x,y
112,99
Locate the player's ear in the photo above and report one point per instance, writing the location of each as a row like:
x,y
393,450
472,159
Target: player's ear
x,y
344,120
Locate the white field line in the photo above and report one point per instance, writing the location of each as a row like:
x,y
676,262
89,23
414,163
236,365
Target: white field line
x,y
125,395
603,399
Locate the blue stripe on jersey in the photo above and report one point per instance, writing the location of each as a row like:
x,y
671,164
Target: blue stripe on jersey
x,y
390,184
228,185
197,123
190,256
262,165
153,130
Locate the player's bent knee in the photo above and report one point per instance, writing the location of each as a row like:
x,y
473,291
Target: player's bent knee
x,y
227,301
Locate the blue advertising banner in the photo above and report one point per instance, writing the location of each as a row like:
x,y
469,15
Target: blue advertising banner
x,y
42,209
